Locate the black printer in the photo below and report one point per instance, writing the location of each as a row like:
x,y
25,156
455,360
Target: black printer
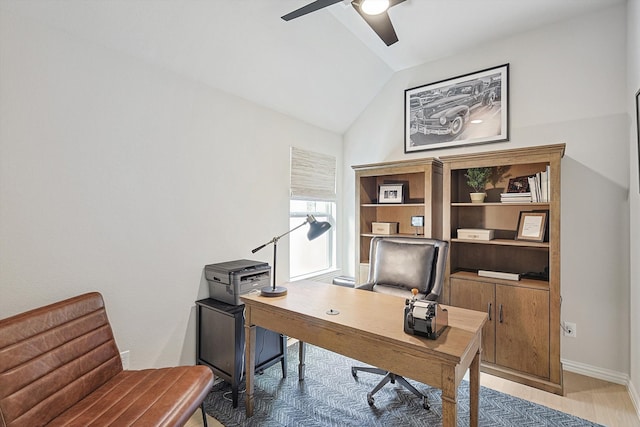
x,y
229,280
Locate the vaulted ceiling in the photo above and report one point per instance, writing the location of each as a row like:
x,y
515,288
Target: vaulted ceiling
x,y
323,68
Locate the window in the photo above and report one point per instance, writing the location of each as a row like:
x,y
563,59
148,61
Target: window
x,y
305,257
313,192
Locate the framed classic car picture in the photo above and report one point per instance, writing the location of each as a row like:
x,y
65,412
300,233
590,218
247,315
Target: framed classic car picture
x,y
464,110
638,131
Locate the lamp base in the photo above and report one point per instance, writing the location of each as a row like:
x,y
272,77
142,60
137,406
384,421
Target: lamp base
x,y
269,291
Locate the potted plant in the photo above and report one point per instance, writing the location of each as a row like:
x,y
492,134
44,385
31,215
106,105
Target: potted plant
x,y
477,178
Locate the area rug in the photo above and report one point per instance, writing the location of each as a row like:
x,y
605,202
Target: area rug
x,y
330,396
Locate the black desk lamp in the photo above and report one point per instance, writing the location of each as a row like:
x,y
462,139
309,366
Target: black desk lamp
x,y
316,229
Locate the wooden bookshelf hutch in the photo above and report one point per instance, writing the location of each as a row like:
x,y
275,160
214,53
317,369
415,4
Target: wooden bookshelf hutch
x,y
521,340
422,179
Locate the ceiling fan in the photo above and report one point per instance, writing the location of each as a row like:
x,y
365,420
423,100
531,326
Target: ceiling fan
x,y
374,12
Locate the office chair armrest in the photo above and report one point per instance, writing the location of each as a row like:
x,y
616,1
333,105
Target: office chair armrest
x,y
366,286
431,297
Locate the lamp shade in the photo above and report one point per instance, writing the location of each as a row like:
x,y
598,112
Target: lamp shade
x,y
316,228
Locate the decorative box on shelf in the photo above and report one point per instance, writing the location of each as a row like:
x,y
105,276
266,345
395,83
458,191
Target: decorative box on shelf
x,y
475,234
384,228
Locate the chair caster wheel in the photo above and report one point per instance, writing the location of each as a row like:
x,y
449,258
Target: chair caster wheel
x,y
369,399
354,373
425,403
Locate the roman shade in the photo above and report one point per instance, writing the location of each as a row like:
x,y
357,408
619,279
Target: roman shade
x,y
313,175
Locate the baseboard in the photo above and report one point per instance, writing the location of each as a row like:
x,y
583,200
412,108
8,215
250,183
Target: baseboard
x,y
606,375
635,398
595,372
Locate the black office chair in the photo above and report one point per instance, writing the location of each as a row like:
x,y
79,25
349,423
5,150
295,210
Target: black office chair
x,y
397,265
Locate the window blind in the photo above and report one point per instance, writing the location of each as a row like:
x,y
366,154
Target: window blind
x,y
313,175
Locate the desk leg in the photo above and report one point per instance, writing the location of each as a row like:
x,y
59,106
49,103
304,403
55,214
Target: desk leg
x,y
449,397
283,362
250,359
301,355
474,390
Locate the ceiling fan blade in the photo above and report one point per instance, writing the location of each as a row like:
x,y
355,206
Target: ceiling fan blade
x,y
394,2
381,24
311,7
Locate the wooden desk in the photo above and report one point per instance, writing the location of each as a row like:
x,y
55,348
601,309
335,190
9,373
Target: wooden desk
x,y
369,328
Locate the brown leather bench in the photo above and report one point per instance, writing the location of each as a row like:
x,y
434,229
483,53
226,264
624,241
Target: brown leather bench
x,y
59,365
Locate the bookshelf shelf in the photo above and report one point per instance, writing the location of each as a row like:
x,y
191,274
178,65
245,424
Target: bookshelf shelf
x,y
536,204
504,242
390,205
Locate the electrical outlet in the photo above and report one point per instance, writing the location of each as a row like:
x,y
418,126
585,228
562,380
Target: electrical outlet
x,y
124,356
569,329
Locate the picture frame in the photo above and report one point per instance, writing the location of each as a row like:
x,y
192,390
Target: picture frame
x,y
532,226
638,132
391,193
518,184
464,110
417,221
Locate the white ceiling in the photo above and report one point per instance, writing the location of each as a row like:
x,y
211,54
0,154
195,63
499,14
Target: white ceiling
x,y
323,68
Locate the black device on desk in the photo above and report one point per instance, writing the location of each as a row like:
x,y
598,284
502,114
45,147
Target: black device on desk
x,y
229,280
425,318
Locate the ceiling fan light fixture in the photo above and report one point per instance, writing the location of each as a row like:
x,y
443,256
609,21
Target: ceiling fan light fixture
x,y
374,7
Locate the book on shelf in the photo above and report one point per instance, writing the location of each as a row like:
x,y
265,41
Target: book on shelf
x,y
533,185
499,275
544,185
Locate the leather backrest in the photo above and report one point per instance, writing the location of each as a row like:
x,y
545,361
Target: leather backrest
x,y
52,357
400,264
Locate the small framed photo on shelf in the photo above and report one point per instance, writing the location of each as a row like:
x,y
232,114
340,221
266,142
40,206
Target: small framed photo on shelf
x,y
391,193
518,185
532,226
638,127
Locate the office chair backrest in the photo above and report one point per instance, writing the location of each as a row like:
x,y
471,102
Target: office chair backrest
x,y
399,264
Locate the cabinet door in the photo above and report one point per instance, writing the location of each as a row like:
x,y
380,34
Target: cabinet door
x,y
522,329
478,296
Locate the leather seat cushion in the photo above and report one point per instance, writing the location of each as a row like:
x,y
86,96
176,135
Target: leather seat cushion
x,y
150,397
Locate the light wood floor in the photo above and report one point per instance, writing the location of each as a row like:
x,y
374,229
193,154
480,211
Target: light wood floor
x,y
595,400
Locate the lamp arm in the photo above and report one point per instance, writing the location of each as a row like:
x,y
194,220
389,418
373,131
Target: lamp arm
x,y
275,239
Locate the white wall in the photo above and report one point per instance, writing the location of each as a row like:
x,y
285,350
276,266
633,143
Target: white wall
x,y
122,177
633,78
567,84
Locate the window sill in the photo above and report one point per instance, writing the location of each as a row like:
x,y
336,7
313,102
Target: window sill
x,y
324,275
